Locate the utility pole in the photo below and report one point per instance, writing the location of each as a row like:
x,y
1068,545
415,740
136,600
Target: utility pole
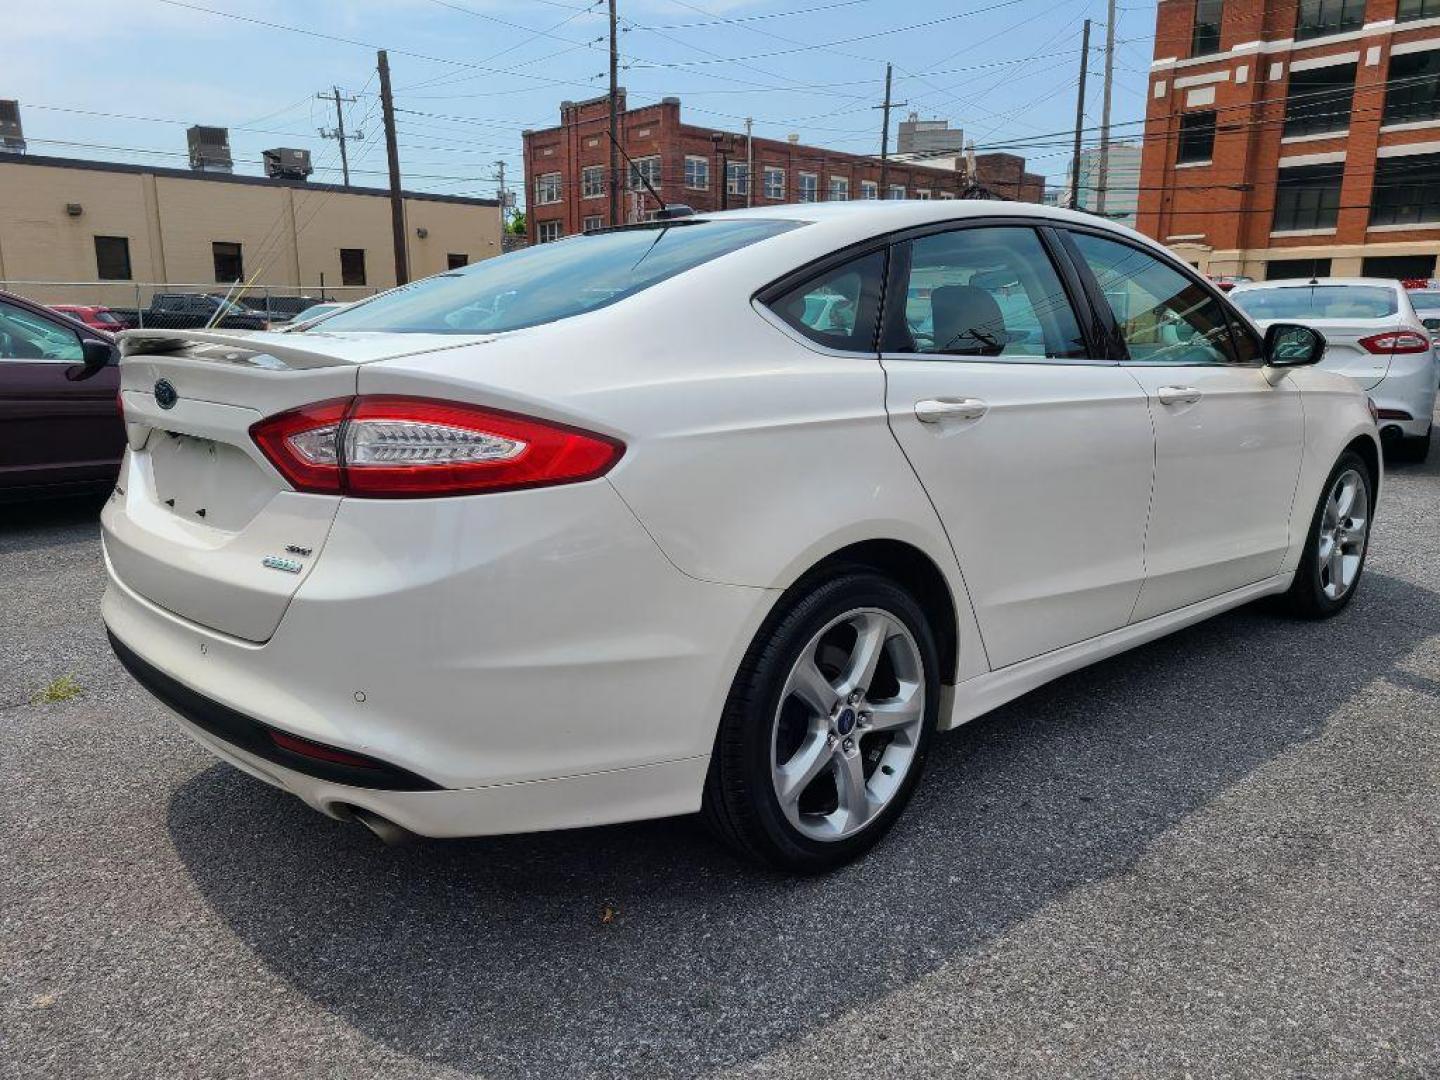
x,y
1104,177
1079,118
749,164
504,220
614,121
338,131
392,152
885,135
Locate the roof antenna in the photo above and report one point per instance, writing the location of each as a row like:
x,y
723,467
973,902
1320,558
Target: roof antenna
x,y
643,178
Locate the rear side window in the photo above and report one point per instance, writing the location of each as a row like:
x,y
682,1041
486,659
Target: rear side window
x,y
1319,302
550,282
838,307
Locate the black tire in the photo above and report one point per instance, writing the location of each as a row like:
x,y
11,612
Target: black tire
x,y
740,803
1307,597
1412,449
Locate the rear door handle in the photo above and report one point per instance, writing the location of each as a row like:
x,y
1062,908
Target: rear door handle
x,y
1178,395
934,410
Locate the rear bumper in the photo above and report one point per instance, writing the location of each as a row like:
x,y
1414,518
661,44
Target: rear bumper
x,y
1409,388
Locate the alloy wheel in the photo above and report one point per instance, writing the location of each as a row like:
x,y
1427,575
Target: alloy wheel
x,y
1344,530
848,724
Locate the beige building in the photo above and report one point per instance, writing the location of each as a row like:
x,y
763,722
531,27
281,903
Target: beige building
x,y
66,221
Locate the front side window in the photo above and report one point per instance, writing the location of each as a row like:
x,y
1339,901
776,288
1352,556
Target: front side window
x,y
1319,100
1205,36
1197,137
1407,190
1412,90
839,188
352,266
1319,302
548,282
112,258
1163,316
592,182
1308,197
642,169
1316,18
697,173
1417,9
774,183
808,187
986,293
26,336
229,262
869,189
838,308
737,178
547,188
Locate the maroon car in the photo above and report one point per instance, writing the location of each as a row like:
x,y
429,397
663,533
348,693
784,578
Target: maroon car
x,y
60,426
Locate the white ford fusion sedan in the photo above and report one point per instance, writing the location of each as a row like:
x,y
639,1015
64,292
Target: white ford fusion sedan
x,y
723,512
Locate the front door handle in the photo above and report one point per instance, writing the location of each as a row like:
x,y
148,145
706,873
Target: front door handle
x,y
934,410
1178,395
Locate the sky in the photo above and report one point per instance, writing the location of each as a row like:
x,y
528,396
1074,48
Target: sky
x,y
121,80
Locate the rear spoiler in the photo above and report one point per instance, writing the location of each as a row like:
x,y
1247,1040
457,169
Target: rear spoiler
x,y
285,351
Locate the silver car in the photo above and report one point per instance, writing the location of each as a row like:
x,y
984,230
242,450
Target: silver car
x,y
1374,335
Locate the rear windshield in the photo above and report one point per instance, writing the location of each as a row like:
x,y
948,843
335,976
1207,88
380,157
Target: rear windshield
x,y
552,281
1426,301
1318,302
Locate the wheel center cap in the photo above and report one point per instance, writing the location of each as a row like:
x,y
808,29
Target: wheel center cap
x,y
845,722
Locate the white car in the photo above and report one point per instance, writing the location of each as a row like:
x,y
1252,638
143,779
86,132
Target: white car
x,y
643,540
1374,335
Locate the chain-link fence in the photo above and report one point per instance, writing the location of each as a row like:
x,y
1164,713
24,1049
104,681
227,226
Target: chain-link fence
x,y
128,305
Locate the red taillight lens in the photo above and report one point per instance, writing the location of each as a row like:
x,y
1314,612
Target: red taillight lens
x,y
1396,341
408,448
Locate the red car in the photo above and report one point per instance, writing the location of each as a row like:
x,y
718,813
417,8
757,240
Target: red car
x,y
60,428
95,316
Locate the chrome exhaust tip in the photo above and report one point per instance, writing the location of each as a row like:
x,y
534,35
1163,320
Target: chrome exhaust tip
x,y
390,834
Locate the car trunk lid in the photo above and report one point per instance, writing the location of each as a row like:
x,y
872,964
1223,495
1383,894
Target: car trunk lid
x,y
1343,352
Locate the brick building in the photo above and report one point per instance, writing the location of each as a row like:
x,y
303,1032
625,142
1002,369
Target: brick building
x,y
1287,138
567,167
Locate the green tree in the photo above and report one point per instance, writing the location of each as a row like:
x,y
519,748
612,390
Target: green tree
x,y
516,224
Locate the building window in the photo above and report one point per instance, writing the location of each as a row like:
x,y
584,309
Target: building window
x,y
1399,267
229,265
808,187
774,183
1316,18
1205,36
593,222
112,258
697,173
897,191
1417,9
352,266
1291,269
869,189
592,181
455,261
1319,100
922,193
737,178
839,188
1412,91
546,231
1407,190
1308,197
547,188
642,169
1197,137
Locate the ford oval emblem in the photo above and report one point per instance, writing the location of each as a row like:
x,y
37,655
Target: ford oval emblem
x,y
165,395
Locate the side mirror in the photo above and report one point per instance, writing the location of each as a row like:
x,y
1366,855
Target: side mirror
x,y
98,355
1293,345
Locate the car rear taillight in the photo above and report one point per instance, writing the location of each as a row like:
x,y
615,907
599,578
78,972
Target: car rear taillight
x,y
1396,341
413,448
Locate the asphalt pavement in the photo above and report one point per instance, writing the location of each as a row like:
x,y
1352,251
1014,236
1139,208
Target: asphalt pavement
x,y
1218,855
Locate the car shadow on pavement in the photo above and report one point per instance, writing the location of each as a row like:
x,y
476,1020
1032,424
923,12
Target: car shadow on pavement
x,y
647,950
74,519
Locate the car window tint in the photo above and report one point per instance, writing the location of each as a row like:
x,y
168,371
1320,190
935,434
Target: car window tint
x,y
1163,316
838,307
552,281
27,336
989,293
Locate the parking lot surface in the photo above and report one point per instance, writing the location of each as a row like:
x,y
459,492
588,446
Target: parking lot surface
x,y
1217,855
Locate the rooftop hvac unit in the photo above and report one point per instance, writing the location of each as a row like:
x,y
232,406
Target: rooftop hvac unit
x,y
283,163
210,149
12,138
